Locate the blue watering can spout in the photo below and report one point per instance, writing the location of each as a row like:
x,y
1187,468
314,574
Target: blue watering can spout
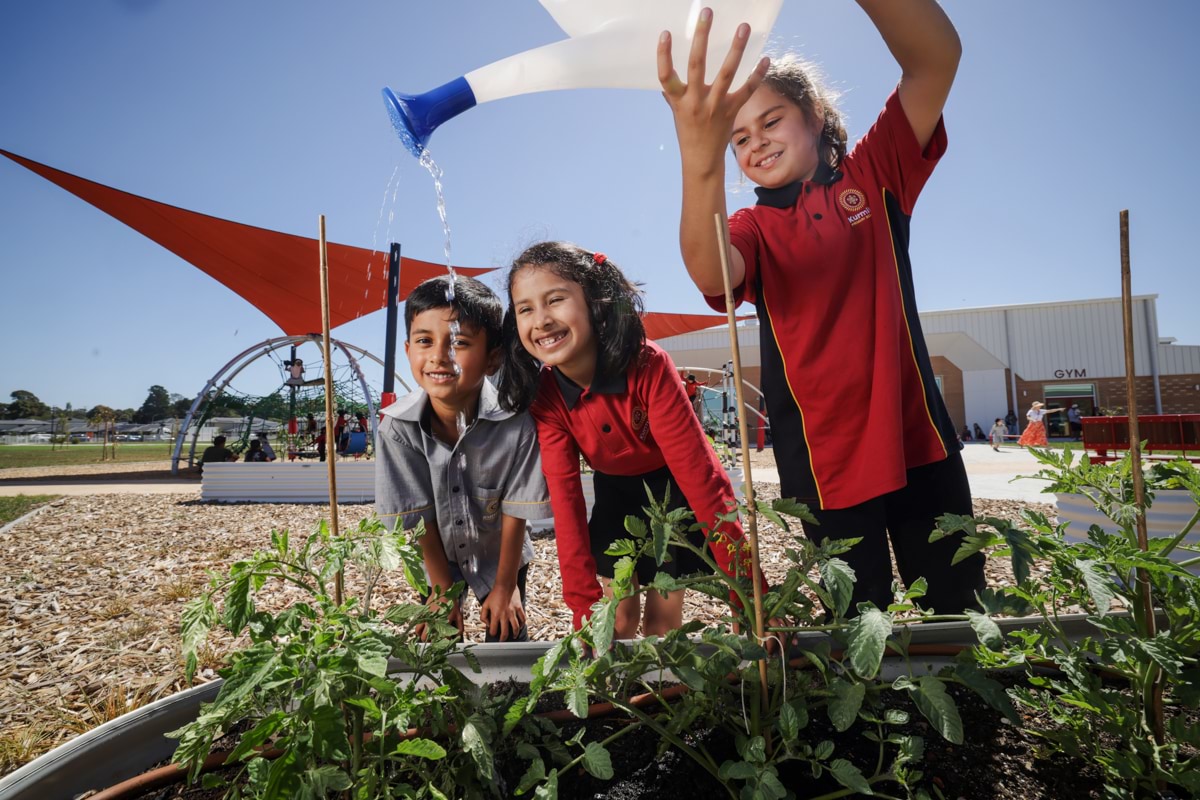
x,y
415,117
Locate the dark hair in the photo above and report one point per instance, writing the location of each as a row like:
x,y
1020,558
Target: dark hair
x,y
614,310
219,440
476,305
800,81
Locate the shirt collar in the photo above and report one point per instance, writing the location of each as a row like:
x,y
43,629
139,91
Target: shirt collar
x,y
411,407
601,384
786,196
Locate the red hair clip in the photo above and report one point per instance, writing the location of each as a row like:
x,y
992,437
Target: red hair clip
x,y
599,258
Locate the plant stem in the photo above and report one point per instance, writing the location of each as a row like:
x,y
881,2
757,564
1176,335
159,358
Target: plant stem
x,y
1179,537
701,758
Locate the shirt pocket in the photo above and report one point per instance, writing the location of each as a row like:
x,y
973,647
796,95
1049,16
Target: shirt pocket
x,y
487,504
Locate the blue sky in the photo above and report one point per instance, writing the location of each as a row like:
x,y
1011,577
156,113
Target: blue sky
x,y
269,113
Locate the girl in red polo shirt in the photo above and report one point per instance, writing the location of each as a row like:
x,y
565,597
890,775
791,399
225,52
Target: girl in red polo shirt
x,y
579,360
859,428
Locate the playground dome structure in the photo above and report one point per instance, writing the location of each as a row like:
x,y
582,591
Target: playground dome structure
x,y
301,392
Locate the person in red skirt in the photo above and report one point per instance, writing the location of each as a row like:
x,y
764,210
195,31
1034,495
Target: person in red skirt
x,y
1034,434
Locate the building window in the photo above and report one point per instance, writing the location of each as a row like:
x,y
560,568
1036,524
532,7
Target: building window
x,y
940,384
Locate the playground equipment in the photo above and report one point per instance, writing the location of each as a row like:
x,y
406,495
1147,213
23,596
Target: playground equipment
x,y
718,403
283,411
612,45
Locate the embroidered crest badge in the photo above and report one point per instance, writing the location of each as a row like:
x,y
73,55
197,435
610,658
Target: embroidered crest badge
x,y
855,204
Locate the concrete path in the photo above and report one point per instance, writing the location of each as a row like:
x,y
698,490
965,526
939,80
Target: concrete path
x,y
993,476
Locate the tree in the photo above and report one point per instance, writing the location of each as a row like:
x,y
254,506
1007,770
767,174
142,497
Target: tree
x,y
157,406
180,407
25,405
101,414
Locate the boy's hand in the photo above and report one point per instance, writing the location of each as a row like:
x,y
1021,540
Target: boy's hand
x,y
502,612
455,618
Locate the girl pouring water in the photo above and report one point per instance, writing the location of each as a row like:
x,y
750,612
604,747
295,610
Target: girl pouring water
x,y
859,427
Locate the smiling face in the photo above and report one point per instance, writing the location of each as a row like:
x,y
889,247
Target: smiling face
x,y
428,351
553,322
774,142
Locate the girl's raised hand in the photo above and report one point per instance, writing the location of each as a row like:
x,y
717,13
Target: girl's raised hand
x,y
704,114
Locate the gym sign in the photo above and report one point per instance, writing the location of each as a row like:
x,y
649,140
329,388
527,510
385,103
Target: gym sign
x,y
1070,373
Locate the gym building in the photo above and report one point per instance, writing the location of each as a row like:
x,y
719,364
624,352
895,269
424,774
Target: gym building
x,y
988,360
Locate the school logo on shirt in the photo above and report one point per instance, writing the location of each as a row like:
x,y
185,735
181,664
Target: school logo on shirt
x,y
855,204
641,424
491,510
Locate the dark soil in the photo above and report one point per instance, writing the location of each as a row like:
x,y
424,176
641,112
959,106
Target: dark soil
x,y
997,762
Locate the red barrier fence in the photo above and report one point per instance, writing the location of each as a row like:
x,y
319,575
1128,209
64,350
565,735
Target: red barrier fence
x,y
1109,436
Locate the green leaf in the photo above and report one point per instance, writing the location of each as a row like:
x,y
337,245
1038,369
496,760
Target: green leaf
x,y
867,639
372,664
421,748
1099,584
849,776
320,781
597,761
238,605
549,789
737,770
256,736
603,622
476,745
845,704
532,776
986,629
789,506
636,526
199,616
991,691
839,579
938,706
662,536
329,733
789,723
824,750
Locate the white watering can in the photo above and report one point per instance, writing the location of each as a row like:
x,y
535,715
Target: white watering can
x,y
612,45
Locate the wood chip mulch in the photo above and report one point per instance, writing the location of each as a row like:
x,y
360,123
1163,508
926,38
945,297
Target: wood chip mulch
x,y
91,592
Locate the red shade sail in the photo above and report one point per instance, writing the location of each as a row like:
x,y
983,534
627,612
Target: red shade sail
x,y
275,272
660,326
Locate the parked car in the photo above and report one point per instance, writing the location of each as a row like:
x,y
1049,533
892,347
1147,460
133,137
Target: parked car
x,y
39,437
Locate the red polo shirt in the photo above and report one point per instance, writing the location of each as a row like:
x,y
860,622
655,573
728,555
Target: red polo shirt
x,y
626,425
852,397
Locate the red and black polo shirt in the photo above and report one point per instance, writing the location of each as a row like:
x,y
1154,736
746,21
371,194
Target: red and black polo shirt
x,y
852,398
627,424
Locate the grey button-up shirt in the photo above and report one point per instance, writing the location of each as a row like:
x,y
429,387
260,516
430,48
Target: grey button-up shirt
x,y
494,469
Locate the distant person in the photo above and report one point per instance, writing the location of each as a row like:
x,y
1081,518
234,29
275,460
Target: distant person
x,y
310,426
998,432
1010,421
475,508
980,436
695,393
320,443
1075,421
217,451
1035,432
255,454
265,443
965,434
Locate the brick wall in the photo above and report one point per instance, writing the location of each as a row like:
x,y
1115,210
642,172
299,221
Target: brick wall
x,y
1179,394
952,389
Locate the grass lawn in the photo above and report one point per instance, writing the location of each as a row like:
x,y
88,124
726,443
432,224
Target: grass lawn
x,y
13,507
43,455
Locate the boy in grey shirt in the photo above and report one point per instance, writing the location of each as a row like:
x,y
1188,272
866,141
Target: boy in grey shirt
x,y
448,454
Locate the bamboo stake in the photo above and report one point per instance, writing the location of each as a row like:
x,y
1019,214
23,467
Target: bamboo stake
x,y
330,444
1135,456
751,500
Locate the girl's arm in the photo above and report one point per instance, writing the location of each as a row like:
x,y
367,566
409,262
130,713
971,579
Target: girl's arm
x,y
704,118
927,48
560,464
